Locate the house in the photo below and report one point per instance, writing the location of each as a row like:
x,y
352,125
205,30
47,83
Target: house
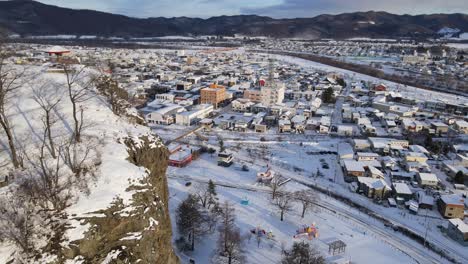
x,y
439,128
458,231
366,156
180,155
373,172
415,166
345,151
225,159
402,176
425,201
461,126
415,157
402,192
451,206
284,126
352,169
345,130
242,105
380,87
419,149
298,123
389,163
427,179
373,188
361,144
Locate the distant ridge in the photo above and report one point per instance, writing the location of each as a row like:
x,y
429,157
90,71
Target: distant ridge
x,y
27,17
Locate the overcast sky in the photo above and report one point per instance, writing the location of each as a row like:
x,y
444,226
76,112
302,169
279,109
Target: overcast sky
x,y
273,8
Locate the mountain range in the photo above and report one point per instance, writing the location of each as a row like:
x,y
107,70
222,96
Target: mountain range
x,y
31,18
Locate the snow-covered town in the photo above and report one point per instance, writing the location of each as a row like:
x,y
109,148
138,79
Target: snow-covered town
x,y
360,168
232,148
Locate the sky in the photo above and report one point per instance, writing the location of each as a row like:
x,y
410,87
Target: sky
x,y
272,8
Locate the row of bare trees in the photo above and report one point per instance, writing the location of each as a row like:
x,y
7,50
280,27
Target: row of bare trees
x,y
51,169
11,80
284,201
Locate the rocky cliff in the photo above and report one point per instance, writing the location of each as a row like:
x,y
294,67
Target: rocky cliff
x,y
138,232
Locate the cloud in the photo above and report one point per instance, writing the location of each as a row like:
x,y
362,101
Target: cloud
x,y
274,8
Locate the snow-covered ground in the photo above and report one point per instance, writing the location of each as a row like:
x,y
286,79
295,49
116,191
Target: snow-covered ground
x,y
410,92
366,237
362,243
114,173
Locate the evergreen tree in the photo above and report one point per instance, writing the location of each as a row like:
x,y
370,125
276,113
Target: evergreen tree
x,y
460,177
327,95
191,220
302,253
212,193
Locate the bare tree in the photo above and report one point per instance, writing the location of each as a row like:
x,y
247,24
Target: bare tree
x,y
17,222
47,182
202,193
283,202
227,223
230,240
48,97
275,185
10,82
307,198
81,158
78,82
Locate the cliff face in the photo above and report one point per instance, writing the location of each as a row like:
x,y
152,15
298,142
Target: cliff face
x,y
138,232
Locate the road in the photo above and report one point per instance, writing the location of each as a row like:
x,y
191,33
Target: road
x,y
337,117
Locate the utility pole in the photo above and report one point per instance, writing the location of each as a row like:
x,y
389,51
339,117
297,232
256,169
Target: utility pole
x,y
426,225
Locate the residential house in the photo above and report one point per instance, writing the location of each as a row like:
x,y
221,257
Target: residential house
x,y
402,192
458,231
361,144
427,179
373,188
367,156
461,126
451,206
242,105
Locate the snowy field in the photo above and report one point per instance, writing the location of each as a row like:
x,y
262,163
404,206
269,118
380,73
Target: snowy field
x,y
410,92
299,162
362,244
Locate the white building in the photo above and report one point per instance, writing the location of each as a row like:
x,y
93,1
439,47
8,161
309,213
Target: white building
x,y
242,105
164,115
197,113
273,94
